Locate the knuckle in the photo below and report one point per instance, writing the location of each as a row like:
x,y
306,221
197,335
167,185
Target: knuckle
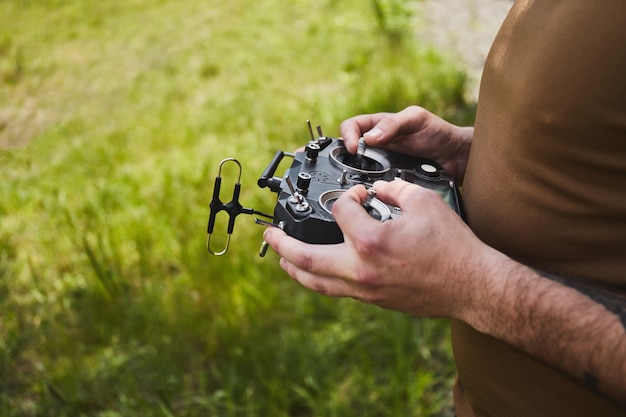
x,y
320,288
366,276
368,245
390,122
366,273
337,208
304,261
415,112
414,109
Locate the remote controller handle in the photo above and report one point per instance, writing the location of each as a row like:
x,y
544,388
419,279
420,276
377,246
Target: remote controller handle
x,y
265,180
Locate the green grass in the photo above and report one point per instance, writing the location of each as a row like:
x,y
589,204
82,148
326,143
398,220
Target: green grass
x,y
113,118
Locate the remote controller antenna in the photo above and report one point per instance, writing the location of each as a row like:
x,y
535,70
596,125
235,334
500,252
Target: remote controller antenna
x,y
233,208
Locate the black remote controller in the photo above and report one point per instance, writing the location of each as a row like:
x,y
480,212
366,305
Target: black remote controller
x,y
317,177
325,169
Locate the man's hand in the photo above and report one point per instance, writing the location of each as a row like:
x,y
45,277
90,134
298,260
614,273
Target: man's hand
x,y
414,263
413,131
427,262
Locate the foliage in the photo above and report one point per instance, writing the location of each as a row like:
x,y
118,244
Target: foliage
x,y
114,116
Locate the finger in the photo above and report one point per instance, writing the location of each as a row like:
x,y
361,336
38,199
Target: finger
x,y
353,128
325,260
350,214
393,125
333,287
365,237
411,198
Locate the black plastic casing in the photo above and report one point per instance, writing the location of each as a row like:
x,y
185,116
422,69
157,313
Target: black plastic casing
x,y
333,170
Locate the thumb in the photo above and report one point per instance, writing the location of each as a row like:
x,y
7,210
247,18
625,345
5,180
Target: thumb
x,y
400,193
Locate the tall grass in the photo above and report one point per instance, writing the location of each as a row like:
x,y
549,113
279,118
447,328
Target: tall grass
x,y
113,118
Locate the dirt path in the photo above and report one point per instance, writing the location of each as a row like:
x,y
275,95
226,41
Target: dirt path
x,y
464,27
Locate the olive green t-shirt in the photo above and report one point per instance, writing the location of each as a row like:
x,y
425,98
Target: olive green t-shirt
x,y
546,184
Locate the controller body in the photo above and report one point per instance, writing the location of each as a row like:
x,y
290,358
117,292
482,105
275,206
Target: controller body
x,y
325,169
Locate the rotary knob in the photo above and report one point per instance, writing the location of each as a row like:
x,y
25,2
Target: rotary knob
x,y
303,182
312,150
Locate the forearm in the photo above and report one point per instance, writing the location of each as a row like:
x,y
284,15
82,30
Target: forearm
x,y
578,330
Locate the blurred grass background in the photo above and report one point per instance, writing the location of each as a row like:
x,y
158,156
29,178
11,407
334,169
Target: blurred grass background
x,y
114,116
